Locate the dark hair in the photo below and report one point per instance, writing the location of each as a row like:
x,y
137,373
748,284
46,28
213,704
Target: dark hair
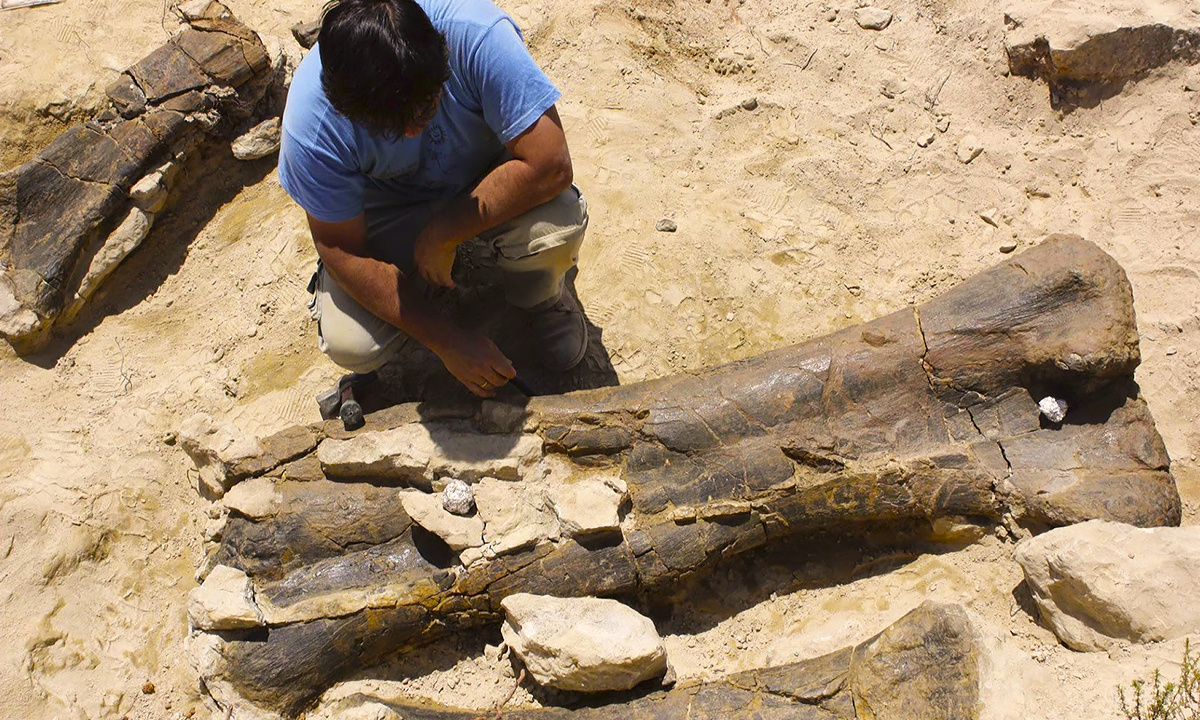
x,y
382,63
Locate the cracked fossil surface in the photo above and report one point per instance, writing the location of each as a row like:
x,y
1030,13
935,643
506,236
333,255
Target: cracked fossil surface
x,y
925,414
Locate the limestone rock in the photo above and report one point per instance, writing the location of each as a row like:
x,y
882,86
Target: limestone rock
x,y
259,141
582,644
1100,581
458,498
1074,42
514,515
925,667
256,498
224,601
150,193
213,447
426,510
418,453
588,506
968,149
306,33
872,18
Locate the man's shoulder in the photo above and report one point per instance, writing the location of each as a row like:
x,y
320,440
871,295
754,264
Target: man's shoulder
x,y
308,116
451,16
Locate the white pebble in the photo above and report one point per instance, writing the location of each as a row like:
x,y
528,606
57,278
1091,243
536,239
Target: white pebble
x,y
457,497
1053,409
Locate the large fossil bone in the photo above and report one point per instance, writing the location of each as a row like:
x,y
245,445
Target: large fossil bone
x,y
928,665
70,215
927,413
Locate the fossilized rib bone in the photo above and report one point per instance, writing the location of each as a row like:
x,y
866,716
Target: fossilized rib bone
x,y
927,413
925,665
70,215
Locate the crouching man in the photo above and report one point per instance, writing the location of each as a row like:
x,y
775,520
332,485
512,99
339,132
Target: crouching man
x,y
411,127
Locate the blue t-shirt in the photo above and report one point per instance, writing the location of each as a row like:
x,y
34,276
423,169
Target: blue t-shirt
x,y
496,92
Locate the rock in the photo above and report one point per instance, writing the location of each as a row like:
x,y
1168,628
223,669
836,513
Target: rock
x,y
306,33
458,498
256,498
968,149
224,601
1007,246
1102,581
942,124
924,667
1053,409
750,103
122,241
1192,82
426,510
989,217
925,140
872,18
149,193
369,711
588,506
201,9
582,644
666,225
258,142
1072,43
514,515
419,452
213,447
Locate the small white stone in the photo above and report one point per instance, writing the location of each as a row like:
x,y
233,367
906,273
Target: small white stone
x,y
989,217
149,193
968,149
943,124
872,18
457,497
925,140
1053,409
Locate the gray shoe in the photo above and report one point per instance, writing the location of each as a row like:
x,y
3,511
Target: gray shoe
x,y
560,331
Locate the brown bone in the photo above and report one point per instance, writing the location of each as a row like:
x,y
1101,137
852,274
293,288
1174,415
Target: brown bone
x,y
924,414
925,665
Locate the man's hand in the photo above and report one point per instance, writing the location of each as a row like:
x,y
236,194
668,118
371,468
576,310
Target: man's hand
x,y
475,361
434,258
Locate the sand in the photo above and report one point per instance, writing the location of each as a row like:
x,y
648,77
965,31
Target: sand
x,y
780,137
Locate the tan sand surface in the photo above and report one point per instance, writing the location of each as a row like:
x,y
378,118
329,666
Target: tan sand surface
x,y
779,136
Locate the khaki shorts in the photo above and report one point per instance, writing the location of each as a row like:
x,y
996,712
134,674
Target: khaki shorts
x,y
533,252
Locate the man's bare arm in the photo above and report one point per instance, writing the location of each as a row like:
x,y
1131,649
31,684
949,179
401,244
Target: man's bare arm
x,y
540,169
381,288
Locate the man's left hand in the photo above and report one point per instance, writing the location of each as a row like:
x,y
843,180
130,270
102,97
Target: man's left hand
x,y
435,259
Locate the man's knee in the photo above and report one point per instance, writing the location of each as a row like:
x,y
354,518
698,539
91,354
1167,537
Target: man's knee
x,y
556,227
348,333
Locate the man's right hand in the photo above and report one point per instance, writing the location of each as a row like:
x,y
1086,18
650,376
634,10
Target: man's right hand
x,y
475,361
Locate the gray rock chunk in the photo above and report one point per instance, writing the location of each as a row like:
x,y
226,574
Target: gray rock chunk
x,y
1101,581
582,644
872,18
224,601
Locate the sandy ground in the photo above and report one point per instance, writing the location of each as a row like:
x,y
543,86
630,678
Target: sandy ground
x,y
779,136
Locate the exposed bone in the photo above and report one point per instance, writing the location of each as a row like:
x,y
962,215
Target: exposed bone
x,y
925,415
929,664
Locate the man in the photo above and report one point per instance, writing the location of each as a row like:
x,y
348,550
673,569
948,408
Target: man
x,y
411,127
